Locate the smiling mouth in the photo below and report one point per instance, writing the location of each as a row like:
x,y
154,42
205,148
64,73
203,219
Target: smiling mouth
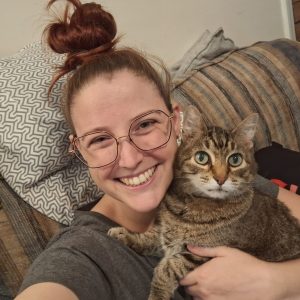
x,y
138,180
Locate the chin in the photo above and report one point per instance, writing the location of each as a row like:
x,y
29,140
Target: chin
x,y
148,201
213,194
144,206
220,195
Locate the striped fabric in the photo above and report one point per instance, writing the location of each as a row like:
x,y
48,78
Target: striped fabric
x,y
24,233
263,78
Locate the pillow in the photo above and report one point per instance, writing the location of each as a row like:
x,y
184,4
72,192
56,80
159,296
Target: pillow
x,y
34,137
206,48
262,78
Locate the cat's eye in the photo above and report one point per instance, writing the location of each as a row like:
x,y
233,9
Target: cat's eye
x,y
235,160
202,158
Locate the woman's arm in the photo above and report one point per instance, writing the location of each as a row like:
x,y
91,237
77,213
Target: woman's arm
x,y
287,277
47,291
233,274
291,200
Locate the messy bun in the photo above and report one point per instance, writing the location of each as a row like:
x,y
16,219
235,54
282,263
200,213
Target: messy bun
x,y
81,34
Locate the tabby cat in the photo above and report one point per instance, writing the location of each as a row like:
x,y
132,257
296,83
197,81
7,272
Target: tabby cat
x,y
211,202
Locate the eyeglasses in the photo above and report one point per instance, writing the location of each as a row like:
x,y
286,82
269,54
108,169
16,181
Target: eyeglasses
x,y
147,132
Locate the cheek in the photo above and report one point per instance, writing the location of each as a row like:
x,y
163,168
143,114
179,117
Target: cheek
x,y
167,152
98,176
172,150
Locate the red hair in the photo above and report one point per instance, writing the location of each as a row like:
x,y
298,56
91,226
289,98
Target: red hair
x,y
88,36
90,30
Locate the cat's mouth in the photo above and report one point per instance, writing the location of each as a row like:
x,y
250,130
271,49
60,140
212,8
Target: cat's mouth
x,y
218,189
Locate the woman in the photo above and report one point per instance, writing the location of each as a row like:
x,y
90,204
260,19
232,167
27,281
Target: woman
x,y
125,130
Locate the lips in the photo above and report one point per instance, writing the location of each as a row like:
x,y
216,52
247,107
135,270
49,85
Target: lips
x,y
138,180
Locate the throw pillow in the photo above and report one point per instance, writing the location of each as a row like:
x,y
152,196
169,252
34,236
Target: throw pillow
x,y
34,137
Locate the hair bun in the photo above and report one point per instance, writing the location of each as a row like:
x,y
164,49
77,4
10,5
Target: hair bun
x,y
82,34
88,27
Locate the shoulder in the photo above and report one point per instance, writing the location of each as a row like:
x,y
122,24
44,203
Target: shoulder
x,y
47,291
87,226
74,259
84,259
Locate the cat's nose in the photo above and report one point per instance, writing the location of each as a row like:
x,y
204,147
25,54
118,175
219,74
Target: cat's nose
x,y
220,179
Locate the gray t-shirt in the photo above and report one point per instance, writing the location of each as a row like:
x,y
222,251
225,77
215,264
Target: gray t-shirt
x,y
93,265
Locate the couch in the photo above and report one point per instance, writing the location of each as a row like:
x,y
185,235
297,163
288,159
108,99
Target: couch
x,y
39,181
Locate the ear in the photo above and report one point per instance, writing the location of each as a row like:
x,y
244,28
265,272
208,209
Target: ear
x,y
71,137
193,122
245,131
177,111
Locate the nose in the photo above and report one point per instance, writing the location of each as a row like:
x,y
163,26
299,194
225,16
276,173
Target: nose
x,y
129,156
220,174
220,179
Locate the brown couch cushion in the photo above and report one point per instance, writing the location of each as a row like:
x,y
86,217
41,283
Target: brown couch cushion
x,y
263,78
24,233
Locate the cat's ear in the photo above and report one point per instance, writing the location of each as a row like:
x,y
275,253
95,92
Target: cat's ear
x,y
245,131
193,122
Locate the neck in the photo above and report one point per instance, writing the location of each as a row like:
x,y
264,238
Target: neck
x,y
124,215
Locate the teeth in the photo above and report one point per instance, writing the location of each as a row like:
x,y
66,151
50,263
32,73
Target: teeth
x,y
142,178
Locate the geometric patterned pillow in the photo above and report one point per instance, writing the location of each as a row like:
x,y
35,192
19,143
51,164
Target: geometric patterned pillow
x,y
34,157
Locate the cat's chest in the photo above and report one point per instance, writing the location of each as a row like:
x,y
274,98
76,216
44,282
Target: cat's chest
x,y
183,224
176,232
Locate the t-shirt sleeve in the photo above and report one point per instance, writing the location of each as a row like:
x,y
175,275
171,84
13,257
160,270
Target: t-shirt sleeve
x,y
71,268
93,265
266,186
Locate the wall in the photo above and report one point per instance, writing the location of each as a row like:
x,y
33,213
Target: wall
x,y
162,27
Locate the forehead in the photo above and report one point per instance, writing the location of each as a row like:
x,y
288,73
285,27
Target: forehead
x,y
108,101
216,139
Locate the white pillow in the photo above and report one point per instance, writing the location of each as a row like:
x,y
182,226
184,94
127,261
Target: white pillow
x,y
34,157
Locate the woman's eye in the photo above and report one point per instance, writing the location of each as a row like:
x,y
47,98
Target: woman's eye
x,y
202,158
101,140
143,127
146,124
235,160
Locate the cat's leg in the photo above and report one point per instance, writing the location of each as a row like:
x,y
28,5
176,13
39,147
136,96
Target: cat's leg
x,y
146,243
169,271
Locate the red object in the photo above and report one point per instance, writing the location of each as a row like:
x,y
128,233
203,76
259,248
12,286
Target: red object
x,y
291,187
279,182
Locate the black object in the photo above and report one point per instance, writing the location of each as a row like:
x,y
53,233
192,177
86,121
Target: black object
x,y
277,162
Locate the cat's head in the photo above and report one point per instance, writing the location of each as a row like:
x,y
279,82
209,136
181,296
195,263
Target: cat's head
x,y
214,162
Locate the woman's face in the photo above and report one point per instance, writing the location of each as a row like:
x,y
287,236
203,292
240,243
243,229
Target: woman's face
x,y
110,104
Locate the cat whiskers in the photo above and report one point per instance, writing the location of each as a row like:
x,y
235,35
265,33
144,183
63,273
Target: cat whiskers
x,y
184,176
183,173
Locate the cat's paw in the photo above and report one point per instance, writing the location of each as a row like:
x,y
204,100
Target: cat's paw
x,y
119,233
160,296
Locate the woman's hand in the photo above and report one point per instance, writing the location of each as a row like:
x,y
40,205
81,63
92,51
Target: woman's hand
x,y
231,274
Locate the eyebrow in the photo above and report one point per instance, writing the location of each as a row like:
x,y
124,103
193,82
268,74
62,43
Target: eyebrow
x,y
105,129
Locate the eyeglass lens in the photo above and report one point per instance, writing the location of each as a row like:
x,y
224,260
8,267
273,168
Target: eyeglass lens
x,y
147,132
